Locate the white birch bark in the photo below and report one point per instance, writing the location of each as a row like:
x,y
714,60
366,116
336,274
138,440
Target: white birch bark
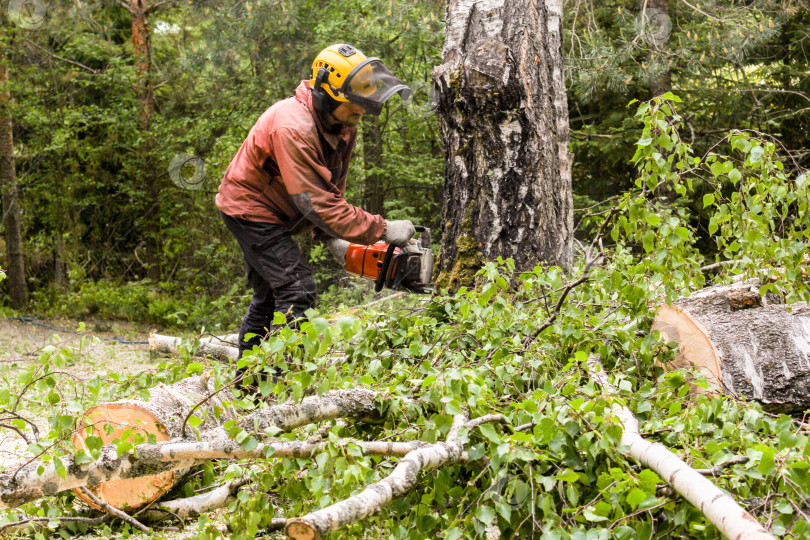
x,y
751,347
400,481
504,118
718,506
214,347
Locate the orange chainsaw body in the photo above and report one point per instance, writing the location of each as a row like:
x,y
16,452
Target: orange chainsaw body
x,y
409,268
367,261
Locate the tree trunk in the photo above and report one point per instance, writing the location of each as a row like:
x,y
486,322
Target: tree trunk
x,y
751,347
11,205
162,416
59,260
142,50
504,121
373,189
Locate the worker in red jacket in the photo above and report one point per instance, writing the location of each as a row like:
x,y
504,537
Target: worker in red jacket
x,y
289,176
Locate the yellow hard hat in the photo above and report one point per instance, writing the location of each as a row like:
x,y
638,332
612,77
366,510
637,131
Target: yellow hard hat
x,y
341,73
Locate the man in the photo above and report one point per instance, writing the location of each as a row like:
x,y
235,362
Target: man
x,y
289,177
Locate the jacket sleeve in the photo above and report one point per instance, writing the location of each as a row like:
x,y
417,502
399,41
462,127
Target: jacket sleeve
x,y
308,182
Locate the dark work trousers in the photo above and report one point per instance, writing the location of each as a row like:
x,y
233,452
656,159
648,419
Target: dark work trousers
x,y
281,279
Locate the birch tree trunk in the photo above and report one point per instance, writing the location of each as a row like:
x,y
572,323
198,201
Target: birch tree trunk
x,y
504,121
11,205
750,346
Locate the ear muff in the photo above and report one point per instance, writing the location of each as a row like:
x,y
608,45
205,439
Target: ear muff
x,y
321,100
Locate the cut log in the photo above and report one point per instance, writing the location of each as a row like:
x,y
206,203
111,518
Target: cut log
x,y
748,346
161,416
220,348
38,479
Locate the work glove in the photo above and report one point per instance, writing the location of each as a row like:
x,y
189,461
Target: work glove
x,y
398,232
338,247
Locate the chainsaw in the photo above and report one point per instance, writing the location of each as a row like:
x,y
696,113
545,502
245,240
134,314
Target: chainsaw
x,y
409,268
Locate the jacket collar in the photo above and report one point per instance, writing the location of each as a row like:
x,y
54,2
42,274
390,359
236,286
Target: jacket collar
x,y
304,94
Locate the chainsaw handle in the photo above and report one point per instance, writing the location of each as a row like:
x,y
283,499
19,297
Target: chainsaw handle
x,y
389,254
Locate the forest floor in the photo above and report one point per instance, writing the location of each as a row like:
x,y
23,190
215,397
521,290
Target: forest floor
x,y
21,345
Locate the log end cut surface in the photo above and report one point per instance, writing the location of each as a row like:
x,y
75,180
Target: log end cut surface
x,y
300,531
128,493
694,346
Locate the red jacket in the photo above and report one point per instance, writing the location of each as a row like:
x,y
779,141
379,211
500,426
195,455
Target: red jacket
x,y
290,172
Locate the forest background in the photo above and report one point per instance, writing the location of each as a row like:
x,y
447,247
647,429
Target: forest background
x,y
118,162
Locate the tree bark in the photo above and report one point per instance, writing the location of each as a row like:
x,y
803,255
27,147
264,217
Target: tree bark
x,y
59,260
141,47
718,506
504,120
220,348
11,205
749,346
142,51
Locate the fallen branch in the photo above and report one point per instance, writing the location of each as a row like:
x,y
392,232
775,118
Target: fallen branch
x,y
38,523
403,479
718,507
718,469
115,512
192,507
399,482
209,346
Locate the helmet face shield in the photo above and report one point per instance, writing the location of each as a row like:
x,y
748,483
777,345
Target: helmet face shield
x,y
371,84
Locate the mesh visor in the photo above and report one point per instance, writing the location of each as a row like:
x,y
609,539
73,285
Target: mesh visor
x,y
370,85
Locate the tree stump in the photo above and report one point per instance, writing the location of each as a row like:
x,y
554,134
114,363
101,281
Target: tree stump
x,y
161,416
750,346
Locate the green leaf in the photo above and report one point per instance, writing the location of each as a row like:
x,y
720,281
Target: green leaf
x,y
708,200
486,514
568,475
250,444
766,462
734,175
672,97
635,496
123,447
489,432
649,480
59,467
591,516
81,458
194,367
